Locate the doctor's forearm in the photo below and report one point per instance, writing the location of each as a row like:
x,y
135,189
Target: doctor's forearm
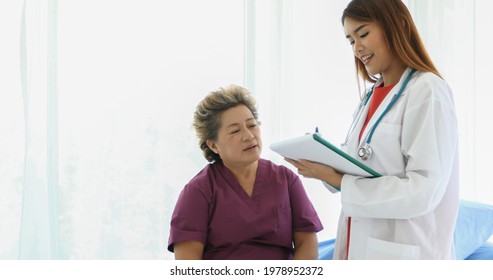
x,y
333,178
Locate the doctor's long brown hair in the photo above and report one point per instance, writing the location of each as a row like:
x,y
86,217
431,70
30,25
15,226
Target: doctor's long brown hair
x,y
401,33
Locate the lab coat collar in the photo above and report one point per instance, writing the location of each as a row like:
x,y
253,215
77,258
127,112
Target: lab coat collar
x,y
383,105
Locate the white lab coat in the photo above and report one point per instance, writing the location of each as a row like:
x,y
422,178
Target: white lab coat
x,y
410,212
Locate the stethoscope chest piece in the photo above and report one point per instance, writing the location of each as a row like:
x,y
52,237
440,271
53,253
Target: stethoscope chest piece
x,y
365,152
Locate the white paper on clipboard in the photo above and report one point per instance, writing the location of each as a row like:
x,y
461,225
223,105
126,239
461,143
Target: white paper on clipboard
x,y
313,147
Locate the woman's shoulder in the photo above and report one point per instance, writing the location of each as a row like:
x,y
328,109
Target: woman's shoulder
x,y
267,164
429,85
203,179
276,170
204,172
430,79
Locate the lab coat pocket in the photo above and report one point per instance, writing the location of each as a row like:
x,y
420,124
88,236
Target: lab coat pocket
x,y
389,129
387,136
387,145
378,249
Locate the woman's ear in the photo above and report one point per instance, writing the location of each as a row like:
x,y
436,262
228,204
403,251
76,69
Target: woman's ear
x,y
212,145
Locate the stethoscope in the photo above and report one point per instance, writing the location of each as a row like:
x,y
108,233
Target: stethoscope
x,y
366,151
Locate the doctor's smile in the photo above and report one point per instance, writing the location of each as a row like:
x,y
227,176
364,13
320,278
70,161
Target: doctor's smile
x,y
366,58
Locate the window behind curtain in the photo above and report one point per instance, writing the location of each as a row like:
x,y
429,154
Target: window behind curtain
x,y
482,100
130,75
11,130
455,33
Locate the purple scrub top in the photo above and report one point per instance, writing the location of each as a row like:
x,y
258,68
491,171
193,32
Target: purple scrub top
x,y
214,209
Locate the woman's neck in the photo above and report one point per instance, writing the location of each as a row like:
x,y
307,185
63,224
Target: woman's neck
x,y
243,172
394,75
245,175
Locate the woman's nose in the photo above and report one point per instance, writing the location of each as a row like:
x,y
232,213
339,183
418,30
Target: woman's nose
x,y
247,135
357,48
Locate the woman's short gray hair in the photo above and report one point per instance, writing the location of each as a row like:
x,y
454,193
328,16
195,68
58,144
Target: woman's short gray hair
x,y
207,116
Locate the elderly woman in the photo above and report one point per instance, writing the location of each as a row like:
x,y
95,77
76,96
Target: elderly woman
x,y
240,206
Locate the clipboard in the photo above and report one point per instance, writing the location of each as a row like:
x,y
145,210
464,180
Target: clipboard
x,y
314,148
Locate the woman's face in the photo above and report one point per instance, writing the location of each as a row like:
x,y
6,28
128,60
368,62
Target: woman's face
x,y
370,46
239,140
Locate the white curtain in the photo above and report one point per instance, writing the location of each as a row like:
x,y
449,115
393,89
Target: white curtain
x,y
455,33
12,141
38,230
97,97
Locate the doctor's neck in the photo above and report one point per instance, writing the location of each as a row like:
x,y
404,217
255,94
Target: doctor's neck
x,y
393,74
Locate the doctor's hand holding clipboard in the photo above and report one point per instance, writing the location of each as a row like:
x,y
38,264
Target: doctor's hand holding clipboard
x,y
406,128
313,155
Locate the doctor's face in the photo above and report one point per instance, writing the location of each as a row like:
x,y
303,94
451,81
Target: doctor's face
x,y
238,140
370,46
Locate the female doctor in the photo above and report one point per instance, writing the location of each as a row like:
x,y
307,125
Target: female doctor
x,y
406,129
